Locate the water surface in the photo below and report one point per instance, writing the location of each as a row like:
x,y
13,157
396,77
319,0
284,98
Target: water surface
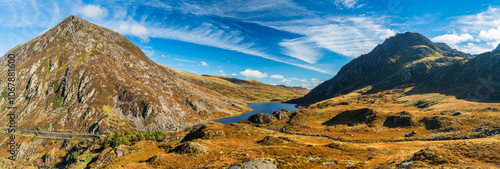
x,y
261,107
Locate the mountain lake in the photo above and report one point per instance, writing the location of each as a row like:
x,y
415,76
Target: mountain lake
x,y
260,107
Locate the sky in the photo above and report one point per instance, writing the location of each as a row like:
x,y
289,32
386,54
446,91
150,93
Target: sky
x,y
290,42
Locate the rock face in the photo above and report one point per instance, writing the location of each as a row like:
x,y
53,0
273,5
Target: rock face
x,y
353,117
282,114
402,59
404,119
190,148
271,140
436,122
80,77
261,118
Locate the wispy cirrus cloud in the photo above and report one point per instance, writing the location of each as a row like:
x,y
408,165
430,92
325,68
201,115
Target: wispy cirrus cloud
x,y
349,35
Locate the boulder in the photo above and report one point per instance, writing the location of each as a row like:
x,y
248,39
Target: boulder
x,y
282,114
435,122
271,140
404,119
353,117
257,164
190,148
261,118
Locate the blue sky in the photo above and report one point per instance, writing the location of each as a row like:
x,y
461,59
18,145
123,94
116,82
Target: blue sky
x,y
296,43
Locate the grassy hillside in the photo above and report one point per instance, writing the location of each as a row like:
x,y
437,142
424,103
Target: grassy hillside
x,y
241,90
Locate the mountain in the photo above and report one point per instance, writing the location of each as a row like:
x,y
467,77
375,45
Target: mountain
x,y
474,79
80,77
406,58
497,48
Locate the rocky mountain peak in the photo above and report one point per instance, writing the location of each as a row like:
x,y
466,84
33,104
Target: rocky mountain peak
x,y
405,58
498,48
80,77
401,40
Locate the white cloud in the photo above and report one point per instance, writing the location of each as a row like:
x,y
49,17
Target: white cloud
x,y
492,34
314,80
473,48
453,39
253,73
149,53
203,63
94,12
234,74
346,3
483,26
132,27
286,80
222,73
303,80
278,76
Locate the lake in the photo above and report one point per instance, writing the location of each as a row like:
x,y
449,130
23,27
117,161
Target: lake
x,y
261,107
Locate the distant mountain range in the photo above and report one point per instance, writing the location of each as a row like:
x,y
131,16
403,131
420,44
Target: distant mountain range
x,y
410,59
80,77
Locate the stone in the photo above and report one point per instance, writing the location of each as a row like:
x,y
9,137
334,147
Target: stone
x,y
257,164
261,118
282,114
190,148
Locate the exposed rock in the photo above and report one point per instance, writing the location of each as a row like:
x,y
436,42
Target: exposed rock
x,y
405,164
282,114
336,145
190,148
217,130
205,132
404,119
434,157
436,122
261,118
353,117
457,114
257,164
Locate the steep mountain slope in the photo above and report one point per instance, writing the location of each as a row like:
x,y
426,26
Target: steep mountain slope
x,y
247,91
80,77
475,79
402,59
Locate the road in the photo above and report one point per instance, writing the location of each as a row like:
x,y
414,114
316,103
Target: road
x,y
56,134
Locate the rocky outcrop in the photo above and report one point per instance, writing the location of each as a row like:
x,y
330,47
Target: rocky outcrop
x,y
261,118
353,117
282,114
191,149
436,122
257,164
404,119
